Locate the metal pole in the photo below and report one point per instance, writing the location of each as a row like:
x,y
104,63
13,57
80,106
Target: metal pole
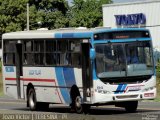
x,y
27,16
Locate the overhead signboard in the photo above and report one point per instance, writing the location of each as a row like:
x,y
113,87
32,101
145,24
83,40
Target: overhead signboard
x,y
130,19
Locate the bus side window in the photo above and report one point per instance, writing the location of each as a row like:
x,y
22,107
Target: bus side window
x,y
9,52
51,55
28,53
63,57
39,52
74,48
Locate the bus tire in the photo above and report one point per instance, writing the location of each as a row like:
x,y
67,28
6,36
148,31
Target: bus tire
x,y
78,105
131,106
32,100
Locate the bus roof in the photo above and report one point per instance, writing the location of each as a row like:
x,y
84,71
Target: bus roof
x,y
63,33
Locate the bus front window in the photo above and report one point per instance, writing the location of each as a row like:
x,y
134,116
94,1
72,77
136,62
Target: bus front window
x,y
124,59
139,58
110,60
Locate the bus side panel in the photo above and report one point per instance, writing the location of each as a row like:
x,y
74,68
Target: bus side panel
x,y
10,85
52,84
44,82
66,78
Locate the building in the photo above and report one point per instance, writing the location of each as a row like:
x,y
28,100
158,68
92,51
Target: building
x,y
135,14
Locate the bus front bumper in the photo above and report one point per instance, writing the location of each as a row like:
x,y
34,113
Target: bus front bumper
x,y
120,97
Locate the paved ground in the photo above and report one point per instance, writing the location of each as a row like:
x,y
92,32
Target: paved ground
x,y
16,109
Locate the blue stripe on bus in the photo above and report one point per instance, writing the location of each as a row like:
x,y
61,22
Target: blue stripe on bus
x,y
74,35
61,82
94,72
69,76
121,88
67,35
83,35
118,88
58,35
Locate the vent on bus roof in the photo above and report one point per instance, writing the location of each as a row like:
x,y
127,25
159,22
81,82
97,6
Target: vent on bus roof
x,y
42,29
81,28
102,27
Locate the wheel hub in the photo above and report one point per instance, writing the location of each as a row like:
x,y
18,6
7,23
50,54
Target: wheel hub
x,y
78,102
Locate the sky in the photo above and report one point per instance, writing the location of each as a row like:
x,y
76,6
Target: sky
x,y
117,1
120,1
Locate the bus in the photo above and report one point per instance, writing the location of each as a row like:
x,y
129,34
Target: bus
x,y
79,67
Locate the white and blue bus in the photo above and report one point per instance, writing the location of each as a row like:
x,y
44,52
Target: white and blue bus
x,y
79,67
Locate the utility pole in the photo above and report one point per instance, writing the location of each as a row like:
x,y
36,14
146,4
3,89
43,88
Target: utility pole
x,y
27,16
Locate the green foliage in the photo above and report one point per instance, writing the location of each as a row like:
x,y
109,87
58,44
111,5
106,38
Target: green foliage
x,y
86,13
12,15
51,13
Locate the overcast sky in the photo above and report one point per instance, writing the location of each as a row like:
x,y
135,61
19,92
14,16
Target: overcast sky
x,y
117,1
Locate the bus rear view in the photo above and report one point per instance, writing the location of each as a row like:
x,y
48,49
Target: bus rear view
x,y
124,67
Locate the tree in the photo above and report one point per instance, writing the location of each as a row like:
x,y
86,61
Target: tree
x,y
51,13
12,15
86,13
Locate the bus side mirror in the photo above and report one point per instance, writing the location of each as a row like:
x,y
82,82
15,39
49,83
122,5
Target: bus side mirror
x,y
92,54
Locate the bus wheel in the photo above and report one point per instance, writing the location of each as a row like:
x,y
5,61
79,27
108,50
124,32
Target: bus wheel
x,y
32,101
131,106
78,105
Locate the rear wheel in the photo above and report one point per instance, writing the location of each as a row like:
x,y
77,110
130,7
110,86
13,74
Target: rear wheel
x,y
131,106
32,101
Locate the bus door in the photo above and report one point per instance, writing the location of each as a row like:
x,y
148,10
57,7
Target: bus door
x,y
19,70
86,72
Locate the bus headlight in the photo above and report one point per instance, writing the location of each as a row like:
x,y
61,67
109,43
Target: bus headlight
x,y
148,89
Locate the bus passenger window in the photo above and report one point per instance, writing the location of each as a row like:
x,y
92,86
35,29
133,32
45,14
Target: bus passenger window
x,y
28,59
39,46
76,59
50,58
50,52
39,52
28,53
50,45
74,46
28,46
9,52
9,58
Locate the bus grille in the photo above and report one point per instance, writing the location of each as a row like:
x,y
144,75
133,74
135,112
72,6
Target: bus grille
x,y
126,96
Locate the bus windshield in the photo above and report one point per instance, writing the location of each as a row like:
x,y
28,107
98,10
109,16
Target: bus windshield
x,y
124,59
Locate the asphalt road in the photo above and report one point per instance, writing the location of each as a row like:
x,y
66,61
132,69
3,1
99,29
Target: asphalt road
x,y
16,109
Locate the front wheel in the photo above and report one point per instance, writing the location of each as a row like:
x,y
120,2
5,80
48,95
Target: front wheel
x,y
131,106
